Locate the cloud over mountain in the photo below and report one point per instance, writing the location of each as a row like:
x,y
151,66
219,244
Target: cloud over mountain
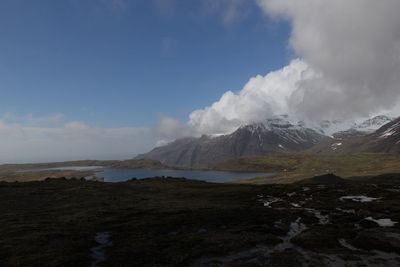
x,y
261,97
348,68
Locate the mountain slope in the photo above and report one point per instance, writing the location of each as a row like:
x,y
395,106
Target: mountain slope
x,y
384,140
273,136
373,124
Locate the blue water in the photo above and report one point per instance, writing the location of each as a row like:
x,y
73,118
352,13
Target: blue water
x,y
120,175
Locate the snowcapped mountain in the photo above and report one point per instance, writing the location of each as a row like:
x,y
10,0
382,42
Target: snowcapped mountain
x,y
363,138
372,124
279,135
337,127
387,138
272,136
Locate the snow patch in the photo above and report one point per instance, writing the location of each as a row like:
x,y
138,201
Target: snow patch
x,y
382,222
295,205
389,132
216,135
335,146
345,244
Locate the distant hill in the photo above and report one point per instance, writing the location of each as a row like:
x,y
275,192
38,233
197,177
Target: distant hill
x,y
130,163
273,136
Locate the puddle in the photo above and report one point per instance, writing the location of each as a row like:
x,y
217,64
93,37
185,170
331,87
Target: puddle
x,y
346,211
269,200
296,228
97,253
359,198
382,222
262,255
258,256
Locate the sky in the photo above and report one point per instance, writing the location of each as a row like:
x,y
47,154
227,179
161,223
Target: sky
x,y
108,79
116,63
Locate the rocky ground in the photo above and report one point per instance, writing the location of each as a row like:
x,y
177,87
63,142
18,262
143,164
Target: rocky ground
x,y
324,221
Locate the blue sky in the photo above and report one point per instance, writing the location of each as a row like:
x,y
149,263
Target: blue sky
x,y
109,79
116,63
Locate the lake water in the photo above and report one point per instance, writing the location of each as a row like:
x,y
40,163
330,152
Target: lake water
x,y
120,175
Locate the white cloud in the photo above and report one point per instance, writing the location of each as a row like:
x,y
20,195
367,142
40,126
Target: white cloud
x,y
348,68
262,97
169,128
21,142
32,120
355,45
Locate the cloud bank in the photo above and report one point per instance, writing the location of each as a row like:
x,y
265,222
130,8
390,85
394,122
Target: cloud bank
x,y
348,67
44,139
261,97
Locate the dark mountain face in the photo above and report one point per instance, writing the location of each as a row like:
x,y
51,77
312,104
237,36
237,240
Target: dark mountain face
x,y
274,136
387,138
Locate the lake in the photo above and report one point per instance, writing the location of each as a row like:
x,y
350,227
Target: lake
x,y
120,175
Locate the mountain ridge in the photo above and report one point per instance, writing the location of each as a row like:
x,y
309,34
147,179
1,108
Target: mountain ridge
x,y
279,135
273,136
385,139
